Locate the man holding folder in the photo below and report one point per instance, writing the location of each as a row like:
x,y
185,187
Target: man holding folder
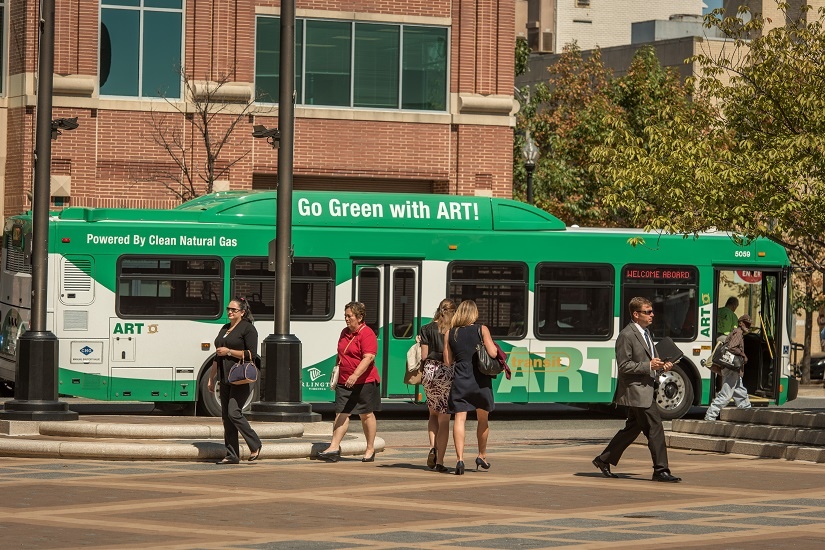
x,y
638,366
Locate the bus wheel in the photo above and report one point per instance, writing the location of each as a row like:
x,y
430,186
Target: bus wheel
x,y
675,394
209,403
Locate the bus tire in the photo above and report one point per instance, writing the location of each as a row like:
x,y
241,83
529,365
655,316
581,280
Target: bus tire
x,y
209,403
675,394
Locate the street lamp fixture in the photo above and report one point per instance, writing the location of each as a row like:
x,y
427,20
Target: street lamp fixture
x,y
531,155
59,124
272,135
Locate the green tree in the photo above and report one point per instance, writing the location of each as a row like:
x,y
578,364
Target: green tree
x,y
572,114
751,159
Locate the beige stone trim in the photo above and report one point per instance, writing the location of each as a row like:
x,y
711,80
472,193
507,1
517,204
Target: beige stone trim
x,y
488,105
359,16
369,115
75,85
228,91
61,185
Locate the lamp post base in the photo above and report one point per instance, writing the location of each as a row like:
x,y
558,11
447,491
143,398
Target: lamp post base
x,y
37,411
35,388
281,383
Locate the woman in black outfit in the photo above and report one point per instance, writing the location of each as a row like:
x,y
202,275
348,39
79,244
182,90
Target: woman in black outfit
x,y
471,390
236,338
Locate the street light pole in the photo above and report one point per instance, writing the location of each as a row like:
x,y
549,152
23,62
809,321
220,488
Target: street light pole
x,y
281,351
35,387
531,154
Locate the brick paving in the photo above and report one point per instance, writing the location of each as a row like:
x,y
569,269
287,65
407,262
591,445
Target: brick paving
x,y
538,494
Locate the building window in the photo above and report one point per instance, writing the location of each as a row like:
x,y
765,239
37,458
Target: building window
x,y
498,289
2,47
359,65
140,48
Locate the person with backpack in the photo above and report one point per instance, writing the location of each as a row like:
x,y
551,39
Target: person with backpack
x,y
732,385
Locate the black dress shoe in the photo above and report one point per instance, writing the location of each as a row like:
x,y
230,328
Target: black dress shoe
x,y
329,456
440,468
604,467
228,460
256,456
370,458
666,477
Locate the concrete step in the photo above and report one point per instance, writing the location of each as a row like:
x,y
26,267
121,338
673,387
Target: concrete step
x,y
747,447
774,417
755,432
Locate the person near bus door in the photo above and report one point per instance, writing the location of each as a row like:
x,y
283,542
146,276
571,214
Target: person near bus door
x,y
236,339
732,385
357,390
638,368
437,381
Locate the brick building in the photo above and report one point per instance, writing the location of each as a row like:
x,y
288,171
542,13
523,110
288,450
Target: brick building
x,y
412,95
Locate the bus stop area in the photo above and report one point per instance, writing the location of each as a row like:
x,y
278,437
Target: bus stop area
x,y
541,492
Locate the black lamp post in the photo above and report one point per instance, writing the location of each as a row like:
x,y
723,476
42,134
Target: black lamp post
x,y
531,154
35,387
281,351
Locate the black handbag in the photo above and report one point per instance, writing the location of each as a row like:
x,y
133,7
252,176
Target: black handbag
x,y
482,360
243,372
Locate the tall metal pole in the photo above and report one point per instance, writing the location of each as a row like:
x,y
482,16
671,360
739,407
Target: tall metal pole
x,y
35,390
530,168
281,351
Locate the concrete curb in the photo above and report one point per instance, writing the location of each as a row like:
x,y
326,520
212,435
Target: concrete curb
x,y
172,450
80,428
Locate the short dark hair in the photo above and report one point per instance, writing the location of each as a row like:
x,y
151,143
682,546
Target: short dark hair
x,y
638,303
732,300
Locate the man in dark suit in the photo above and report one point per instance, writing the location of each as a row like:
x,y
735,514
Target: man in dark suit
x,y
638,365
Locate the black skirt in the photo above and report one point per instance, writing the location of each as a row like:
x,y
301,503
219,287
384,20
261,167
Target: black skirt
x,y
359,399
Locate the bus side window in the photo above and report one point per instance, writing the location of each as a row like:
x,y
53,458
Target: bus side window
x,y
499,290
574,301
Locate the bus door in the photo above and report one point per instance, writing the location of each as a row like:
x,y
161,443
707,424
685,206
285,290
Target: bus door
x,y
392,295
759,293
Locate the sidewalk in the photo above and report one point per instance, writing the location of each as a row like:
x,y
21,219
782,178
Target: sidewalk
x,y
539,493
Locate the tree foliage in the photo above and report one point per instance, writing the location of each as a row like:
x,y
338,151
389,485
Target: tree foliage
x,y
750,160
573,113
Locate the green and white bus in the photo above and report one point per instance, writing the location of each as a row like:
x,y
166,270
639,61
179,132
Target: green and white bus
x,y
136,296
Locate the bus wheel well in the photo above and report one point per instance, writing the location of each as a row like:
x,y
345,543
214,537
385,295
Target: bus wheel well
x,y
695,379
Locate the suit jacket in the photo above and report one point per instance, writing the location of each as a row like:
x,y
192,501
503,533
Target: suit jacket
x,y
635,384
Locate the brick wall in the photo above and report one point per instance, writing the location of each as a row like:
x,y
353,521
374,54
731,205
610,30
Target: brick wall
x,y
113,160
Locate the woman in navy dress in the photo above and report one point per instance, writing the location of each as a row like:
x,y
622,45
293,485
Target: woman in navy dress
x,y
471,390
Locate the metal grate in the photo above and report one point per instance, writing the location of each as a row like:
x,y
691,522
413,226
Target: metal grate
x,y
76,276
75,320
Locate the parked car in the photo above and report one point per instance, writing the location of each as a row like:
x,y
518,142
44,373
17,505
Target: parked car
x,y
817,366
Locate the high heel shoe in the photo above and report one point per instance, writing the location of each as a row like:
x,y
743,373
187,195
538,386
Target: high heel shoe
x,y
329,456
440,468
480,462
370,458
459,468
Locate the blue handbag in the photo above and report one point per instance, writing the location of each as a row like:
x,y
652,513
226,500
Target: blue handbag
x,y
243,372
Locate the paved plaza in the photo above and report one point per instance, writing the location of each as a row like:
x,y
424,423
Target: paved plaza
x,y
540,493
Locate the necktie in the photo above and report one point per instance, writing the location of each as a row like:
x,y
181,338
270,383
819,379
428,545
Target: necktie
x,y
649,344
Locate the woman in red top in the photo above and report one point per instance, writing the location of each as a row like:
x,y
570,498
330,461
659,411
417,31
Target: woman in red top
x,y
357,391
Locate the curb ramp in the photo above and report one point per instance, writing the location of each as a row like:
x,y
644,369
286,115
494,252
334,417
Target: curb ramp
x,y
151,438
766,433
